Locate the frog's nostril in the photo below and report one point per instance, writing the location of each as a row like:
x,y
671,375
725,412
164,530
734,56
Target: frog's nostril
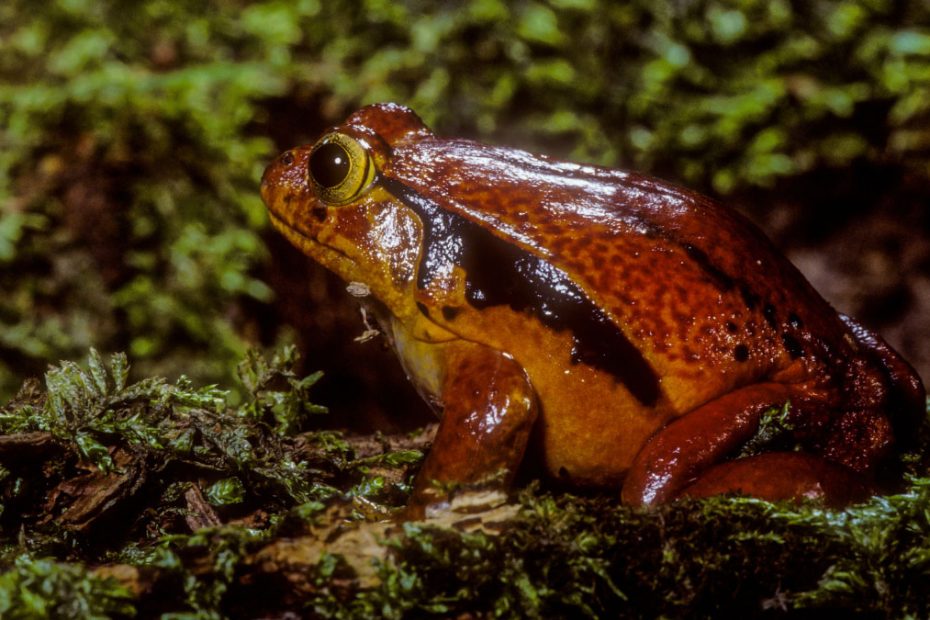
x,y
287,159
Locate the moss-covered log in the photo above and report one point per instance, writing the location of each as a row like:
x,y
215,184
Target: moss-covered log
x,y
146,498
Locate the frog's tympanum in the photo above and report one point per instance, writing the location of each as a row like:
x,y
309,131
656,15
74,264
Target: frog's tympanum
x,y
597,327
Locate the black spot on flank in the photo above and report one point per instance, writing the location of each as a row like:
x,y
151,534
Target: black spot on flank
x,y
795,321
731,327
723,281
423,309
319,213
769,313
741,353
563,473
500,273
792,345
450,312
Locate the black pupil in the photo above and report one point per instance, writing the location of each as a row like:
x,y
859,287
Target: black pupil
x,y
329,165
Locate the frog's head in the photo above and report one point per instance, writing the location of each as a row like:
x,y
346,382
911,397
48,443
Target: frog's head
x,y
328,199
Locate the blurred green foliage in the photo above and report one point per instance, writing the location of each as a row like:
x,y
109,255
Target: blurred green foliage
x,y
133,134
34,589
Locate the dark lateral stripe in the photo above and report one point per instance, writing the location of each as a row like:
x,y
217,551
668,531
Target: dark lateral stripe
x,y
720,279
498,273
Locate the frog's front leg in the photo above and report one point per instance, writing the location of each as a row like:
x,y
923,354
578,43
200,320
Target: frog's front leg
x,y
685,457
488,413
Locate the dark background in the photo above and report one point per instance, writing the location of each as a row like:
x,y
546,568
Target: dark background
x,y
133,136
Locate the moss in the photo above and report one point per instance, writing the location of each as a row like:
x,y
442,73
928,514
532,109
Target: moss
x,y
91,448
566,556
246,478
35,589
735,557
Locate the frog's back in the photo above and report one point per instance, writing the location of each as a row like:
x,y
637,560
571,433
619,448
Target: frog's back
x,y
688,281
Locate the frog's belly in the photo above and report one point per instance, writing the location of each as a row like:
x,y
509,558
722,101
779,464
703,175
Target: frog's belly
x,y
591,426
590,429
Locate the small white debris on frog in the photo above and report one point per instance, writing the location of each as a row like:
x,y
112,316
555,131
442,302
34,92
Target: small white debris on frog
x,y
358,289
370,332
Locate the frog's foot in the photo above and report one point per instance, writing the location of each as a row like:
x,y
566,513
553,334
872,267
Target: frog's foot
x,y
907,399
681,452
780,476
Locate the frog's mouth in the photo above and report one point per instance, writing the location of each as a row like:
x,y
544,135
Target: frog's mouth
x,y
330,257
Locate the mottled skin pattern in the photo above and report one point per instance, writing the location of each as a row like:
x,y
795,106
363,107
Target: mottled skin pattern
x,y
625,331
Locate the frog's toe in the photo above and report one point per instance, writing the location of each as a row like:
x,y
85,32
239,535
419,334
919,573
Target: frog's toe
x,y
782,475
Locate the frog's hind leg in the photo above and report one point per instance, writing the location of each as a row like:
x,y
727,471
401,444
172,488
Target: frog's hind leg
x,y
780,476
678,453
677,458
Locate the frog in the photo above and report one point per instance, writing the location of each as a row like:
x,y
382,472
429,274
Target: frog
x,y
597,328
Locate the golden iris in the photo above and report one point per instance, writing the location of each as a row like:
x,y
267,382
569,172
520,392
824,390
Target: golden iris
x,y
340,168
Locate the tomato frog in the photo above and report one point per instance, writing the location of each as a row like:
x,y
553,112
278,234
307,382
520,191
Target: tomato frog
x,y
600,327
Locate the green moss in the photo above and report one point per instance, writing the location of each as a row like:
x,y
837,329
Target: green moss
x,y
263,454
571,557
36,589
560,556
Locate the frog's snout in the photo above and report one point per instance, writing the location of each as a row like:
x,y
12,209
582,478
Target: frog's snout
x,y
265,184
269,181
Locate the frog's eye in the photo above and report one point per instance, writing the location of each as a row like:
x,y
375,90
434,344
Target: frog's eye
x,y
340,168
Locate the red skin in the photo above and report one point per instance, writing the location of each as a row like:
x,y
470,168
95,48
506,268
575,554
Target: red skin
x,y
713,326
